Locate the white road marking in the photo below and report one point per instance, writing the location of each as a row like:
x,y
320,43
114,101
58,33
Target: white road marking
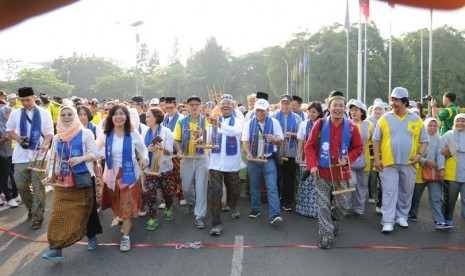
x,y
236,267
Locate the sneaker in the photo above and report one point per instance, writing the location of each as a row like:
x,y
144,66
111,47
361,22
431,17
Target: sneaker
x,y
199,224
287,208
275,220
182,202
325,243
254,214
378,210
413,218
152,224
402,222
189,209
53,254
360,216
216,230
169,214
12,203
92,243
235,213
142,213
388,228
372,201
225,208
125,244
36,224
449,224
441,226
162,206
18,199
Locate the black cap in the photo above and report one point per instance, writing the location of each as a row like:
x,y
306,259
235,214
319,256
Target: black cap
x,y
137,100
297,99
44,98
335,95
25,92
286,97
57,98
94,103
170,100
262,95
193,98
162,100
2,93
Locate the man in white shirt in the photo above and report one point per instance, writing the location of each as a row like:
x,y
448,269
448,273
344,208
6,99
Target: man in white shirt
x,y
32,128
260,137
225,163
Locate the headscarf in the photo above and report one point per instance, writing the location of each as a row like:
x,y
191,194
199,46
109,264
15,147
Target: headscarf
x,y
459,136
134,118
433,140
67,133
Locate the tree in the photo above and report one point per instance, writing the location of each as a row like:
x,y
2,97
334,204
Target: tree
x,y
118,86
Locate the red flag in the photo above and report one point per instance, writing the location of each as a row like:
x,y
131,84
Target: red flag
x,y
365,8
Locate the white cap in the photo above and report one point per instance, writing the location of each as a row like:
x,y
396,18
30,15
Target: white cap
x,y
378,104
11,96
412,103
399,93
377,100
155,101
261,104
358,104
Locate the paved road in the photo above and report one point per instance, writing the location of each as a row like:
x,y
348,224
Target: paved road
x,y
22,257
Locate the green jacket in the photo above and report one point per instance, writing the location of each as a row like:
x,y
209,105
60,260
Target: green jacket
x,y
446,116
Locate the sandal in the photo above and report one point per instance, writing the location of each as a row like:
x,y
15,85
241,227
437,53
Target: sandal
x,y
36,224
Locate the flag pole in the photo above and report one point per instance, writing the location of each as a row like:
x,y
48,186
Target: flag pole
x,y
365,66
347,27
390,51
359,55
430,61
421,64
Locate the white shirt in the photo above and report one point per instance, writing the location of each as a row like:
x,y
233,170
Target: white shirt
x,y
90,148
168,141
221,161
21,155
278,132
117,155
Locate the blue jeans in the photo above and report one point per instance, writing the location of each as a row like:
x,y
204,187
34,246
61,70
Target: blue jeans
x,y
258,171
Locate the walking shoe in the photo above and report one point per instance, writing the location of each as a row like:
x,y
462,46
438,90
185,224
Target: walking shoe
x,y
182,202
287,208
372,201
402,222
162,206
92,243
189,209
254,214
440,226
325,243
125,244
413,218
12,203
152,224
169,214
18,199
216,230
360,216
235,213
387,229
199,224
275,220
378,210
449,224
225,208
142,213
36,224
53,254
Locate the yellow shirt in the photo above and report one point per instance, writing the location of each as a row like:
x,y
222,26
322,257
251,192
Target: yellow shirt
x,y
97,118
192,125
367,144
55,110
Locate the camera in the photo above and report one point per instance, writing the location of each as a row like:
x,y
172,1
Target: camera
x,y
427,98
26,142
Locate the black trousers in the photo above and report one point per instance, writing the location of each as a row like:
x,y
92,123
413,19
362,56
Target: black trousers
x,y
287,181
6,176
93,225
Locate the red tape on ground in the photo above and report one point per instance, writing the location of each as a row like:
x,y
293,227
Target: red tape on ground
x,y
223,245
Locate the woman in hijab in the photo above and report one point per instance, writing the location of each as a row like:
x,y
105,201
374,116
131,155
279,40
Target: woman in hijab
x,y
432,159
455,167
72,207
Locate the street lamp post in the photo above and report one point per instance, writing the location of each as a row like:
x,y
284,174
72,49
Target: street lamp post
x,y
136,71
225,81
287,70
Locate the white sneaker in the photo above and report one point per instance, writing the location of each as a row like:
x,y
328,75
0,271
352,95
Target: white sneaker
x,y
182,202
125,244
142,213
387,228
162,206
402,222
18,199
378,210
12,203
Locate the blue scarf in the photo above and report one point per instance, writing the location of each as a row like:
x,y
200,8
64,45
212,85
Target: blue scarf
x,y
308,129
231,141
186,134
325,150
68,149
254,132
92,128
302,115
140,129
148,140
170,124
127,165
291,125
35,127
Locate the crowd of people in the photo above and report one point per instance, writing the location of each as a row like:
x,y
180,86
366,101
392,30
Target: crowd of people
x,y
321,160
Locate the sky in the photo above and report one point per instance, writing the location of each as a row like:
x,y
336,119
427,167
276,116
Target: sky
x,y
102,27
